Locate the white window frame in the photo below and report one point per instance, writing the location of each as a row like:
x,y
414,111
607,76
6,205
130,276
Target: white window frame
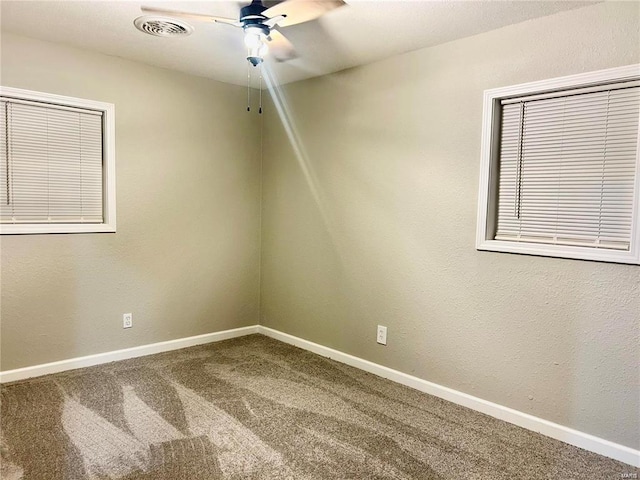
x,y
108,165
487,195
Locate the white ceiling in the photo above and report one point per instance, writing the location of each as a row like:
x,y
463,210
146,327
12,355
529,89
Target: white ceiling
x,y
359,33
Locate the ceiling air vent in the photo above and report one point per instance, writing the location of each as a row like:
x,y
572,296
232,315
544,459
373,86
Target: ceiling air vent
x,y
162,26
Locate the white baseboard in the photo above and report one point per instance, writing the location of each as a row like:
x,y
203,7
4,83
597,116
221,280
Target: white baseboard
x,y
559,432
90,360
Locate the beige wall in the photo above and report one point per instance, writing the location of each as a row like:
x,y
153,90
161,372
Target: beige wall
x,y
375,224
185,258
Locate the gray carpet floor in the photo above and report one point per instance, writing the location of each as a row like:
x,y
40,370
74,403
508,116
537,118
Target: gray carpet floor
x,y
256,408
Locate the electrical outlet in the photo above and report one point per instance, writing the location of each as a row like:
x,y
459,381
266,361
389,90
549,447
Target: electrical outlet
x,y
127,320
382,335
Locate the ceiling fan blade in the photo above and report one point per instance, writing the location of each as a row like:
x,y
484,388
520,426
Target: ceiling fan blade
x,y
200,17
299,11
280,48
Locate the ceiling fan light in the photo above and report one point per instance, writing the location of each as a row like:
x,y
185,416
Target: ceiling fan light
x,y
256,54
252,40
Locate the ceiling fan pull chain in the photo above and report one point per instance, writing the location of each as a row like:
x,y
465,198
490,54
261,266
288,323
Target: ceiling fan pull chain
x,y
248,87
260,109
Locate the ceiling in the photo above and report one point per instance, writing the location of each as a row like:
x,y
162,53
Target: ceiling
x,y
361,32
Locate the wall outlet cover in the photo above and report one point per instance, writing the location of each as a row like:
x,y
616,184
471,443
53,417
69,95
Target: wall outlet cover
x,y
381,337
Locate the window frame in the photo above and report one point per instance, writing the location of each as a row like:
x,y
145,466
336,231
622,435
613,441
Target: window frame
x,y
108,165
489,171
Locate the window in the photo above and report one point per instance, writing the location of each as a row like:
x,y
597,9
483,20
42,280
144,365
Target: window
x,y
57,164
560,173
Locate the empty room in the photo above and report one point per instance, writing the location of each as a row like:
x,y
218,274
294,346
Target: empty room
x,y
319,239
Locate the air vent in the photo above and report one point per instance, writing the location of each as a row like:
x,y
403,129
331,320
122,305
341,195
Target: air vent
x,y
162,26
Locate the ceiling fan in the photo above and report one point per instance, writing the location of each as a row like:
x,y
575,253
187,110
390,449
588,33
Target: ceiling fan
x,y
261,24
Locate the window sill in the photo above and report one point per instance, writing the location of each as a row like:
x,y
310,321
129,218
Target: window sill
x,y
24,229
561,251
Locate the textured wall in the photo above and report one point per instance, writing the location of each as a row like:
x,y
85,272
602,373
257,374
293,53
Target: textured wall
x,y
185,258
373,221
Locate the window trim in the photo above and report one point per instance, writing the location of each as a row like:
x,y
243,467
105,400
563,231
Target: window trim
x,y
487,193
108,170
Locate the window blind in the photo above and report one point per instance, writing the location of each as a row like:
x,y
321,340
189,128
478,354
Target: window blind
x,y
50,163
567,168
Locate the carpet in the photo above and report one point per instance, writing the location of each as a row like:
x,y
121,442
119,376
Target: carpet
x,y
256,408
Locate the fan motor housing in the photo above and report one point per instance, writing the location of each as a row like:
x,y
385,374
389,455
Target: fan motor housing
x,y
253,12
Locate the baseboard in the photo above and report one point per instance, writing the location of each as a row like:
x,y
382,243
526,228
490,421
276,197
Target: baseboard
x,y
107,357
559,432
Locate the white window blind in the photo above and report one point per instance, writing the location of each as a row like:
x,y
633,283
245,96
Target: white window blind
x,y
567,167
51,163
